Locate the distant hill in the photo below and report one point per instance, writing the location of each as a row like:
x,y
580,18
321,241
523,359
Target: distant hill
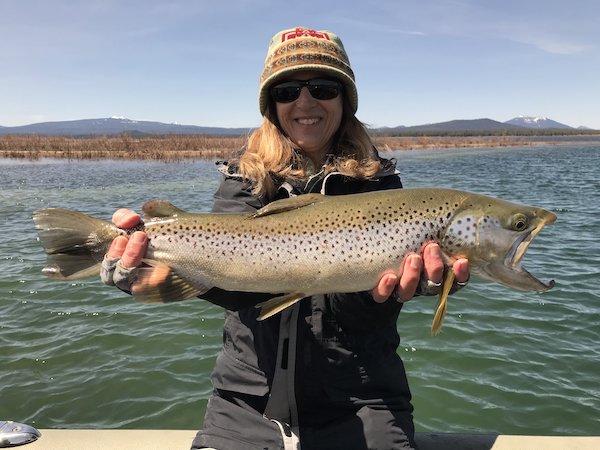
x,y
476,125
121,125
116,125
537,122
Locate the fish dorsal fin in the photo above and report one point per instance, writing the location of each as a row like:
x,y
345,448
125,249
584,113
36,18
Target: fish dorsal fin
x,y
160,208
288,204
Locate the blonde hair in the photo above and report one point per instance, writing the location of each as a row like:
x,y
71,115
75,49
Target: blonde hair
x,y
271,155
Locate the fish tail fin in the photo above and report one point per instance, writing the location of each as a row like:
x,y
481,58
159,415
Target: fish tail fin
x,y
278,304
74,242
442,306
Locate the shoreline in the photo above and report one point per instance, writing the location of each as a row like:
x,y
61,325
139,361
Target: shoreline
x,y
178,148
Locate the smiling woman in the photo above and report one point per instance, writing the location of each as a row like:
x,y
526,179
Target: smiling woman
x,y
307,130
325,371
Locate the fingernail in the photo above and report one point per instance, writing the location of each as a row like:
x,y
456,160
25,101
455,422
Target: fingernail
x,y
117,247
415,262
435,250
119,244
138,237
117,215
390,281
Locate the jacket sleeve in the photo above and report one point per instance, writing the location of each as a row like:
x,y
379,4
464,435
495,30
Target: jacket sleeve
x,y
234,195
358,311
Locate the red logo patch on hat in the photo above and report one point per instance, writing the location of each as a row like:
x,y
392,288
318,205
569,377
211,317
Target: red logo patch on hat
x,y
303,32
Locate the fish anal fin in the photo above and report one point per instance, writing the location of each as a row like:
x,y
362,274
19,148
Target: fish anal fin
x,y
277,304
442,306
159,284
288,204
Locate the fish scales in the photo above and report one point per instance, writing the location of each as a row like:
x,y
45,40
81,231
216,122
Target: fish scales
x,y
305,245
332,246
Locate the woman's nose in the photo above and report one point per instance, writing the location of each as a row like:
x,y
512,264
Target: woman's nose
x,y
305,98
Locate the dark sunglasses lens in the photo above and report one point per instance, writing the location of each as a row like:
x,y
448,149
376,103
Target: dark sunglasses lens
x,y
285,93
319,89
324,90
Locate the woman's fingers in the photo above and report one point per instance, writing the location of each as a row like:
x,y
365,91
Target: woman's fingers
x,y
385,288
433,263
416,270
409,277
135,249
461,270
125,218
117,247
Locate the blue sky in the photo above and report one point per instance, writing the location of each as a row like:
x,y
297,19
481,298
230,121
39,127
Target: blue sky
x,y
198,62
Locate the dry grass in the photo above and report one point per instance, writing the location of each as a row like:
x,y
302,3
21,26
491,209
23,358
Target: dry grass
x,y
423,142
165,148
176,148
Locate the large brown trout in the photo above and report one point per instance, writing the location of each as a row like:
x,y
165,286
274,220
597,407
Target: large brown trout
x,y
305,245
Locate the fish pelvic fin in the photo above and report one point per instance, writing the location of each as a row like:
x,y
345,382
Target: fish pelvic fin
x,y
74,242
277,304
442,306
157,283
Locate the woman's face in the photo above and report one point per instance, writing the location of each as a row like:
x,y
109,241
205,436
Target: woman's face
x,y
310,123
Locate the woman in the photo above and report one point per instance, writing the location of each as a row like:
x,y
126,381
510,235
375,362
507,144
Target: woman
x,y
324,372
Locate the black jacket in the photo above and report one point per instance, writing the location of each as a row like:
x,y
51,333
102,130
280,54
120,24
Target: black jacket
x,y
340,382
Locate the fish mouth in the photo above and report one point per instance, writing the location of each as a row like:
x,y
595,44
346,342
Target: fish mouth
x,y
513,260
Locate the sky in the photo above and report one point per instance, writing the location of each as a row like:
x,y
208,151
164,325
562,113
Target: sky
x,y
197,62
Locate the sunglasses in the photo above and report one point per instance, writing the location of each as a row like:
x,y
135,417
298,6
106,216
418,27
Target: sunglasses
x,y
319,88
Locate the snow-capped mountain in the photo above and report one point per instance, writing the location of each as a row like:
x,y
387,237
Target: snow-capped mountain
x,y
536,122
115,125
118,124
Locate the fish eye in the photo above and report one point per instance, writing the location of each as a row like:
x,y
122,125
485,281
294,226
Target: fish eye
x,y
519,222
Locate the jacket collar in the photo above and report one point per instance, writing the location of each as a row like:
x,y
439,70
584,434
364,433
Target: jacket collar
x,y
317,183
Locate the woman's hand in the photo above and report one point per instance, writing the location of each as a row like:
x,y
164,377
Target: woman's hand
x,y
406,282
125,254
131,250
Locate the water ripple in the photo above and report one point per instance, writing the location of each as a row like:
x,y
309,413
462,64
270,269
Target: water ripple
x,y
81,355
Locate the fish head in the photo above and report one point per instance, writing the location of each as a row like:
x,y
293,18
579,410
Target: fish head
x,y
494,235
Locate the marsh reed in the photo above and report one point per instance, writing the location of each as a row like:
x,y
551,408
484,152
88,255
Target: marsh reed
x,y
176,148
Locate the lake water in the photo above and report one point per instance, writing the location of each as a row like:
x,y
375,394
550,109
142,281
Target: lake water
x,y
84,355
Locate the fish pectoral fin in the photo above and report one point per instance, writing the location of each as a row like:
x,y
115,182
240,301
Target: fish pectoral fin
x,y
442,306
159,284
288,204
278,304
